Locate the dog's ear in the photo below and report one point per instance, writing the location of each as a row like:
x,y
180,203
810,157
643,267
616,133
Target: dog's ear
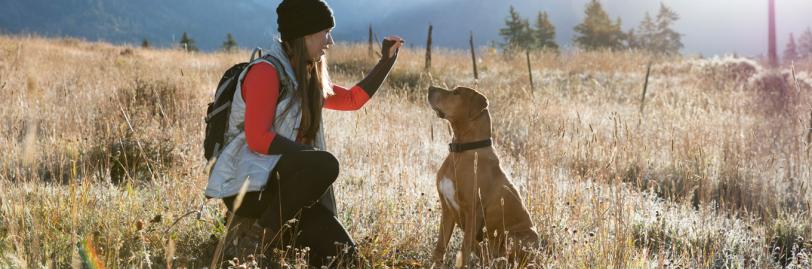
x,y
432,87
477,104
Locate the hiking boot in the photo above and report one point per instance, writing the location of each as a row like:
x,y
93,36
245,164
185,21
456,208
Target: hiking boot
x,y
244,238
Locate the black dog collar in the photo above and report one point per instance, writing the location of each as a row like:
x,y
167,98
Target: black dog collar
x,y
457,147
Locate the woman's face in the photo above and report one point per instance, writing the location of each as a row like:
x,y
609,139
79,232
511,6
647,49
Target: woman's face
x,y
318,43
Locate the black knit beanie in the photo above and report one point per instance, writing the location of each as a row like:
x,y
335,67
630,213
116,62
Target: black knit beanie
x,y
298,18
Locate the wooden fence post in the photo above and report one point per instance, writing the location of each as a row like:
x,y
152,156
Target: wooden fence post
x,y
529,70
645,88
809,131
428,50
371,54
473,55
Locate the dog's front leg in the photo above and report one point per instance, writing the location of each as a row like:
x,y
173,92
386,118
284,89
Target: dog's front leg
x,y
447,223
469,235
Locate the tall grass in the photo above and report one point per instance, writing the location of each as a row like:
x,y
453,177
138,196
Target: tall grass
x,y
103,142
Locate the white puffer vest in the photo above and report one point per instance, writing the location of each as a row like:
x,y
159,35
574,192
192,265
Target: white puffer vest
x,y
236,162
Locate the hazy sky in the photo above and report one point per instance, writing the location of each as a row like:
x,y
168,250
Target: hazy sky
x,y
717,26
709,26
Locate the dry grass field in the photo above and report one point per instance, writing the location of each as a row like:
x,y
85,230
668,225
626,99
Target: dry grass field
x,y
102,156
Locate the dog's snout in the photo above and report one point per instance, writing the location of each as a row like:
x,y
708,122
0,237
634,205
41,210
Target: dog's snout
x,y
432,97
433,91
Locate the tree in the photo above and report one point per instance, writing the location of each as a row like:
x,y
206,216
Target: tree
x,y
230,44
791,51
597,31
517,32
544,34
187,43
805,44
656,35
145,43
646,32
632,40
666,40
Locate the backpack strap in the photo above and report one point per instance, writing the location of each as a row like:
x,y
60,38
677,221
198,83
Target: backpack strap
x,y
256,53
285,80
286,84
222,88
284,77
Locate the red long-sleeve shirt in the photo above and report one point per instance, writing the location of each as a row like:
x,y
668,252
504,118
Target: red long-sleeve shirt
x,y
260,90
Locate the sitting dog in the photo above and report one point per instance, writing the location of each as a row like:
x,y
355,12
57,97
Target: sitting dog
x,y
474,191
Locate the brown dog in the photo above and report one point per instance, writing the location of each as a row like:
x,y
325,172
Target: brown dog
x,y
474,191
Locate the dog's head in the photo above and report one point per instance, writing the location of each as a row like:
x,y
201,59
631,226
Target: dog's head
x,y
459,104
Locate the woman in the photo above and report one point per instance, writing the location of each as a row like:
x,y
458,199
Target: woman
x,y
275,142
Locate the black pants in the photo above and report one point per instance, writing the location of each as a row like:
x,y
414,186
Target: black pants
x,y
293,190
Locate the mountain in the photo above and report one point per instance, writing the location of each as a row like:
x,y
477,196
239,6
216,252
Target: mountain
x,y
454,20
708,27
254,22
122,21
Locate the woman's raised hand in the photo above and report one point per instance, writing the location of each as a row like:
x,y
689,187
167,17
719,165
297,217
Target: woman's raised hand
x,y
390,46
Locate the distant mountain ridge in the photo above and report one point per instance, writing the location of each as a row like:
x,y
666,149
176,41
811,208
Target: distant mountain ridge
x,y
252,22
709,27
122,21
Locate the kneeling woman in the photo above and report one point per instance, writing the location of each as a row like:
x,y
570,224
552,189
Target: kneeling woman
x,y
275,139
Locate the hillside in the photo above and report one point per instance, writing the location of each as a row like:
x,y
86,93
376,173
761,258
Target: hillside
x,y
253,22
103,147
160,22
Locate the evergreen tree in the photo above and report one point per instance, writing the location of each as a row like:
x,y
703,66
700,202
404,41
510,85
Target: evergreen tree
x,y
230,44
632,40
805,44
621,36
646,33
597,31
187,43
517,32
666,40
544,34
791,51
145,43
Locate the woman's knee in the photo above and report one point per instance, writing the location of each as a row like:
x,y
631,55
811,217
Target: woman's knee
x,y
327,165
320,166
